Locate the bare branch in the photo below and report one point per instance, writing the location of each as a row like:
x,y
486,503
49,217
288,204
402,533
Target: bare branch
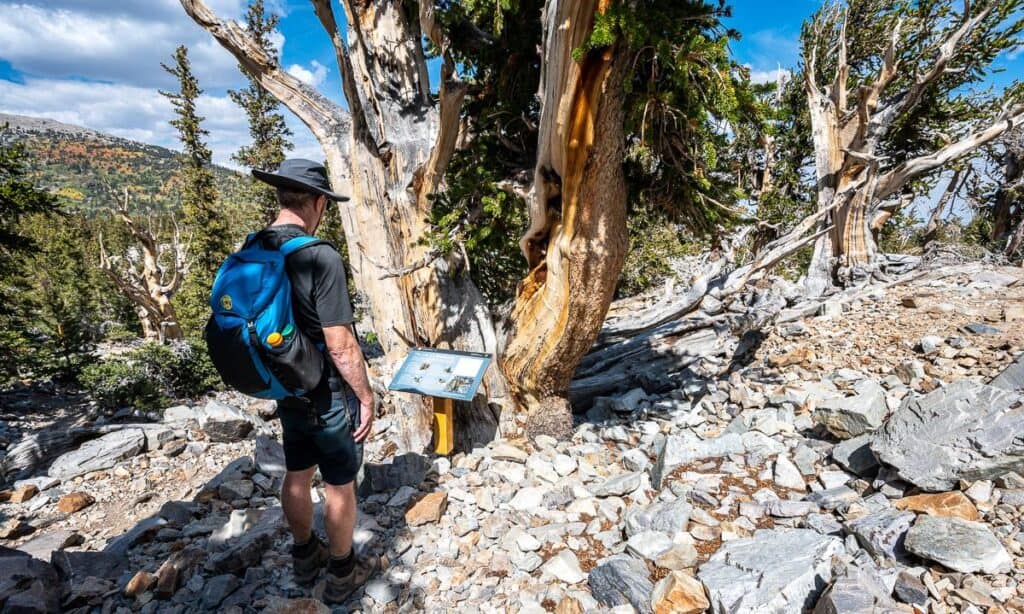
x,y
892,181
842,71
361,122
946,51
322,116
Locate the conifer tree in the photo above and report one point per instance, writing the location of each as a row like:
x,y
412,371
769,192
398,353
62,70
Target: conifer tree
x,y
266,124
211,238
18,200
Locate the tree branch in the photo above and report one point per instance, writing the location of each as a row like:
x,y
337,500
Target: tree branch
x,y
323,117
909,99
892,181
363,124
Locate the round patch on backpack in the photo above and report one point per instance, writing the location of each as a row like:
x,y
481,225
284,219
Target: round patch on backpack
x,y
225,302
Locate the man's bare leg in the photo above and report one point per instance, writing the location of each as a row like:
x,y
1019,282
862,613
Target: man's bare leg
x,y
340,517
298,504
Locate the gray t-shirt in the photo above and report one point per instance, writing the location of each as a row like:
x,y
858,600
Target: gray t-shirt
x,y
319,290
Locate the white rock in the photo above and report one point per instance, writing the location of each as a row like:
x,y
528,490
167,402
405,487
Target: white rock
x,y
564,464
528,543
787,475
527,499
565,567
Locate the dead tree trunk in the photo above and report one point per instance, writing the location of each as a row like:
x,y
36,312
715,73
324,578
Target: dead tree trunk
x,y
149,274
850,176
576,243
1010,196
389,151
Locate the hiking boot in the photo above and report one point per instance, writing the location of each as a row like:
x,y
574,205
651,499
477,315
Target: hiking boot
x,y
339,588
305,568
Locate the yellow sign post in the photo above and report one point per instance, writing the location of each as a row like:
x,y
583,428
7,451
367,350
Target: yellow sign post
x,y
444,428
444,376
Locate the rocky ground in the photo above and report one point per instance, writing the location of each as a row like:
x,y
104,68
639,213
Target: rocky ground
x,y
864,456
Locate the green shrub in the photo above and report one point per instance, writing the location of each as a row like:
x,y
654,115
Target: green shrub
x,y
152,375
120,382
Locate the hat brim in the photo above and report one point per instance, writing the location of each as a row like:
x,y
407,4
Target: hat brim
x,y
280,181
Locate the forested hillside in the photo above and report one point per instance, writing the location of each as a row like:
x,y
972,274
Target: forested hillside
x,y
78,165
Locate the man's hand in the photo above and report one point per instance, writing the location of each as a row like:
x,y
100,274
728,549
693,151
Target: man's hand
x,y
366,414
343,348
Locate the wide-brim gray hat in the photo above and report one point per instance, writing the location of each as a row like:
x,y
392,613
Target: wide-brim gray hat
x,y
302,176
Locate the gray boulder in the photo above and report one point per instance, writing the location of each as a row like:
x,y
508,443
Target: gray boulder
x,y
1012,377
855,455
882,533
269,456
101,453
667,516
773,571
224,423
622,580
683,449
966,431
852,416
858,590
27,584
618,485
960,545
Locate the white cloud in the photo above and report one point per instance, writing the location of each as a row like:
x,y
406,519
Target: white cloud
x,y
112,41
314,75
140,114
769,76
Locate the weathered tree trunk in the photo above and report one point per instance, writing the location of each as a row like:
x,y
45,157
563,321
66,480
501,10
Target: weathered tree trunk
x,y
850,179
389,152
576,243
1010,195
144,278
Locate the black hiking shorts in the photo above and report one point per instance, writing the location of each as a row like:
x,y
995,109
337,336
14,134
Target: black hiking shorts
x,y
318,430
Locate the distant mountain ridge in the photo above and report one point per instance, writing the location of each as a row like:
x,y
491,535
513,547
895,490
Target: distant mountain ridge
x,y
81,165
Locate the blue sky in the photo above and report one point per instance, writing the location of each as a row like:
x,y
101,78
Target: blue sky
x,y
96,63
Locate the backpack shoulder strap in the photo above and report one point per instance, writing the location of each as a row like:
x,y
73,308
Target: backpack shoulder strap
x,y
294,244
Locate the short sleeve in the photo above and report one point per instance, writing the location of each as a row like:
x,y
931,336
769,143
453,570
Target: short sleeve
x,y
330,289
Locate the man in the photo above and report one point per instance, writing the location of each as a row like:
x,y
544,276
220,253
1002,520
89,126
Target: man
x,y
325,428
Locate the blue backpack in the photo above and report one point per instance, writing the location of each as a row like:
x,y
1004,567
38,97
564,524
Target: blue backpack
x,y
252,337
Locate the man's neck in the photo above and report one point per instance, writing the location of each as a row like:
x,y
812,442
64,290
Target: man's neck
x,y
287,216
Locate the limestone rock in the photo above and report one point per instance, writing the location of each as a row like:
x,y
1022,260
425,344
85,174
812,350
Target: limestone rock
x,y
682,449
101,453
24,493
565,567
670,517
622,580
881,533
679,593
74,502
141,582
619,485
221,422
773,571
505,451
953,503
269,456
855,455
428,509
857,590
958,544
964,431
852,416
787,475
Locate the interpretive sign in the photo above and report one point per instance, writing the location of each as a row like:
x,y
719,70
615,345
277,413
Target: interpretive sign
x,y
441,373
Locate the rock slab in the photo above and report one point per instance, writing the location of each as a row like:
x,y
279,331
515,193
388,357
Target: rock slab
x,y
773,571
966,431
101,453
958,544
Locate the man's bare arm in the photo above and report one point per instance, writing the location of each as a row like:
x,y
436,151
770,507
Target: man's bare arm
x,y
344,350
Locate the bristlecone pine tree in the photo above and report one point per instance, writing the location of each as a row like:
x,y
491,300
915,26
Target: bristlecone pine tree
x,y
391,149
885,84
266,124
149,273
211,241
